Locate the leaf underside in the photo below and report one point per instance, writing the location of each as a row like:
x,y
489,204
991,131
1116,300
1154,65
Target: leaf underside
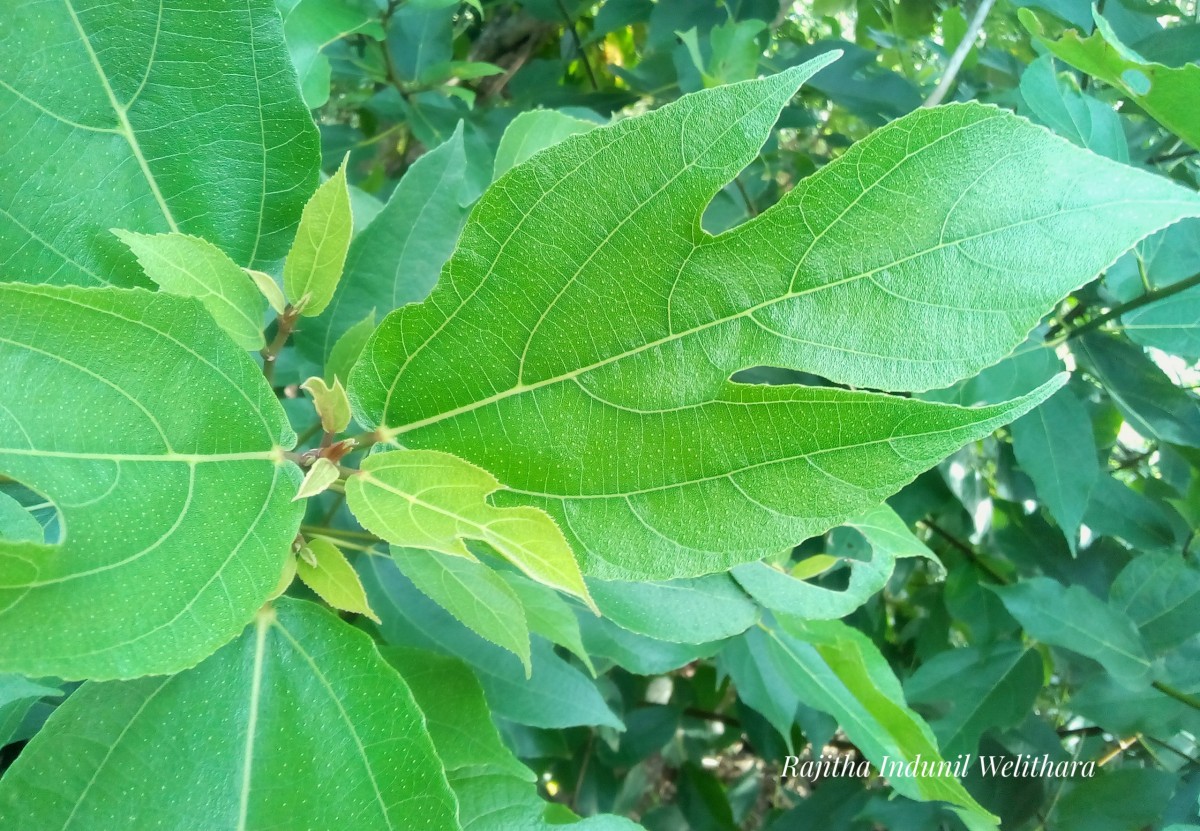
x,y
589,371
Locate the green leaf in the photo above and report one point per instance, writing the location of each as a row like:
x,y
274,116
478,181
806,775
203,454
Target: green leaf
x,y
1150,402
311,25
175,116
299,723
17,696
324,569
1168,95
1056,447
1128,799
556,695
456,714
1170,324
839,670
475,594
192,267
1056,101
890,540
974,689
1075,619
426,499
1161,594
760,683
397,258
16,523
314,263
692,610
349,346
639,654
533,131
331,403
549,615
1116,510
596,385
167,472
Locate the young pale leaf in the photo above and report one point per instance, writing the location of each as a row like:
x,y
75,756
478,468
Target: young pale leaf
x,y
175,500
427,499
475,594
890,540
1056,447
332,405
589,372
839,670
269,289
193,267
314,263
397,257
175,116
1167,94
320,476
299,723
1075,619
324,569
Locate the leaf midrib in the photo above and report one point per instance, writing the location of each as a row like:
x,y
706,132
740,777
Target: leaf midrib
x,y
122,110
389,434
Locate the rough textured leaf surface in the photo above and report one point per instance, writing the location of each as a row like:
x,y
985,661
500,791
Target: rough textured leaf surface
x,y
181,115
589,372
299,723
175,501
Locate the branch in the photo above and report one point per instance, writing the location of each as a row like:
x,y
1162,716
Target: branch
x,y
578,44
1145,300
960,54
283,331
1179,695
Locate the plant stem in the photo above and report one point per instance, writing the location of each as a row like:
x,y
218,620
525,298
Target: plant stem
x,y
587,65
1179,695
1124,308
285,325
960,54
970,552
341,533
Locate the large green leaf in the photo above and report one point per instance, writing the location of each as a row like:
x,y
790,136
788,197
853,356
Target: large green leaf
x,y
159,442
299,723
182,115
589,370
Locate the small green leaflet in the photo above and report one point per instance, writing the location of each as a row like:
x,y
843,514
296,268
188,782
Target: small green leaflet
x,y
595,386
299,723
426,499
310,26
167,472
324,569
193,267
1167,94
314,263
532,131
1057,102
181,115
